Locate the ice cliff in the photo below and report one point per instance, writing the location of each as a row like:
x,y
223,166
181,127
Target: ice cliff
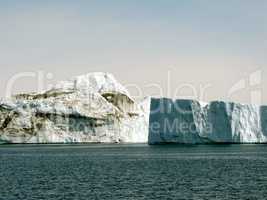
x,y
95,108
88,108
193,122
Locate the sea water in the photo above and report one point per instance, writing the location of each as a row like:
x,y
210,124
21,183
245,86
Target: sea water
x,y
133,172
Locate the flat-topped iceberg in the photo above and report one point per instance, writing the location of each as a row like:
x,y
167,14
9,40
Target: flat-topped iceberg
x,y
193,122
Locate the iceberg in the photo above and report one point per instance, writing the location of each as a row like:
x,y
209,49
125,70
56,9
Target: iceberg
x,y
194,122
92,108
96,108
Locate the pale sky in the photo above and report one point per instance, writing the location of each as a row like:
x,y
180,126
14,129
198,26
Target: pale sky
x,y
201,44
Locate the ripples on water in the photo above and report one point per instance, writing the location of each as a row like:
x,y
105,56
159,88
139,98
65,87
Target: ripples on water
x,y
133,172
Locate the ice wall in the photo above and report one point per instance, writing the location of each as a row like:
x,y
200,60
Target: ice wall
x,y
193,122
95,108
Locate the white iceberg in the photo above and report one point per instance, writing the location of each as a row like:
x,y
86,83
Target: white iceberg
x,y
92,108
95,108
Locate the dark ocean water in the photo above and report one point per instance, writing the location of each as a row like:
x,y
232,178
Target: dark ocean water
x,y
133,172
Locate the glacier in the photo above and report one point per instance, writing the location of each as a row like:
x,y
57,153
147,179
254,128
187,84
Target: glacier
x,y
96,108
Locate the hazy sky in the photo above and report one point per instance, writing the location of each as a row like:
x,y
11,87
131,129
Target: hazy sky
x,y
201,44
